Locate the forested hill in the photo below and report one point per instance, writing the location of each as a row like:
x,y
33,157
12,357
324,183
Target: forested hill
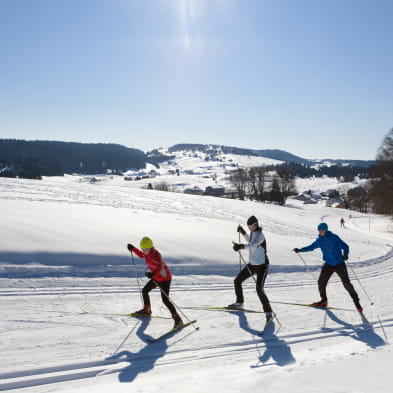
x,y
48,158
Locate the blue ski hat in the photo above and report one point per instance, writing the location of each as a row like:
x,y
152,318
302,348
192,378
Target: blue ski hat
x,y
322,226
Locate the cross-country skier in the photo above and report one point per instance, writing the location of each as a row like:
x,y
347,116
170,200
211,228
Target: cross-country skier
x,y
335,253
258,264
159,275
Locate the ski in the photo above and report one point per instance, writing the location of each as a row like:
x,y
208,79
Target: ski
x,y
312,306
153,340
225,309
267,324
133,315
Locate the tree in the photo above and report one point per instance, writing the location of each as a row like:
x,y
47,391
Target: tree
x,y
287,186
256,183
275,191
381,187
358,199
239,180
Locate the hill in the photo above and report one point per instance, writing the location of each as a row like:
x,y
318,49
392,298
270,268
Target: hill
x,y
33,159
274,154
65,268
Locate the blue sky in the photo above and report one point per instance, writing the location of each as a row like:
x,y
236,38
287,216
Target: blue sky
x,y
313,77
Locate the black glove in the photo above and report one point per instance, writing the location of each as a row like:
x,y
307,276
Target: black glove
x,y
296,250
345,257
238,247
149,274
130,247
241,230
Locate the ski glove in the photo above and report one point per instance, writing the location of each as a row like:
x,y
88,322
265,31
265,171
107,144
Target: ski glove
x,y
238,247
130,247
241,230
296,250
149,274
345,257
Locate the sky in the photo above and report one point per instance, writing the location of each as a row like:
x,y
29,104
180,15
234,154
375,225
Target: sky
x,y
312,77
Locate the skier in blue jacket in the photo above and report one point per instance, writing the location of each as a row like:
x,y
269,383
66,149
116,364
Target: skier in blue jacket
x,y
335,253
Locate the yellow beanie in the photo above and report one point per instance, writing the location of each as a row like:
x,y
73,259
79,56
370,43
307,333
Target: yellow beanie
x,y
146,242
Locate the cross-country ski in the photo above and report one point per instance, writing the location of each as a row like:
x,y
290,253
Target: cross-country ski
x,y
171,331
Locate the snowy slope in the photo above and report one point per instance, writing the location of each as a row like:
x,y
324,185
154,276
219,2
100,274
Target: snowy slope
x,y
187,170
63,251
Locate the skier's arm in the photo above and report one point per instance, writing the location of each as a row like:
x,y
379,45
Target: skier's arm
x,y
137,252
343,246
311,247
255,241
158,265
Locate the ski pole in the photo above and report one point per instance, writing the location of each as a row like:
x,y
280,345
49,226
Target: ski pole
x,y
361,286
305,264
371,302
240,260
137,278
252,275
181,311
125,339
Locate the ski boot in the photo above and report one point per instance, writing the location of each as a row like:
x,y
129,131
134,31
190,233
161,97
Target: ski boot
x,y
145,311
235,306
358,306
321,303
178,321
269,317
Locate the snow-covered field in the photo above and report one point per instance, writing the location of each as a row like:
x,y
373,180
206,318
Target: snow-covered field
x,y
63,252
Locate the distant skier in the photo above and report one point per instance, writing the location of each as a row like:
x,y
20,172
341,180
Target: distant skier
x,y
159,275
335,253
258,264
342,222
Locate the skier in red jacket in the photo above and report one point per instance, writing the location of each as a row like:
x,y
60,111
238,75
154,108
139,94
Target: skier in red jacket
x,y
159,275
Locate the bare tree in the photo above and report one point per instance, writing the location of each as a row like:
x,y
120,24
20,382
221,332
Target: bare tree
x,y
381,187
239,179
287,186
257,183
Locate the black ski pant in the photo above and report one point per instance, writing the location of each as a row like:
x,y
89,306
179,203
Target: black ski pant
x,y
342,271
165,287
248,271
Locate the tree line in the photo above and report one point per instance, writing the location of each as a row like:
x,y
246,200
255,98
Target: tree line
x,y
34,159
260,184
380,188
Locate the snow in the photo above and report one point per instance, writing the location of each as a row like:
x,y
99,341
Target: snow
x,y
63,252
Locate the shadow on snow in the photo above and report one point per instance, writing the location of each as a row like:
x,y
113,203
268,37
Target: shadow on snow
x,y
276,348
364,333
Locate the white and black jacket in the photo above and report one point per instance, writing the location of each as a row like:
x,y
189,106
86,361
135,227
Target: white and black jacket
x,y
256,247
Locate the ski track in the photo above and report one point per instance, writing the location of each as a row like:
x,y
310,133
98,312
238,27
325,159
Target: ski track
x,y
83,370
134,199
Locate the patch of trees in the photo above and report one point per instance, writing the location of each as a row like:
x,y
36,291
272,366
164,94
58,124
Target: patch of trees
x,y
381,186
33,159
260,184
346,172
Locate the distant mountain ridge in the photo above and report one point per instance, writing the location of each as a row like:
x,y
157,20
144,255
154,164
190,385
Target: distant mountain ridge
x,y
275,154
35,159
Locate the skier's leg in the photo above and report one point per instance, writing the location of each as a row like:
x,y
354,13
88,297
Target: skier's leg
x,y
324,277
145,292
262,271
342,271
165,288
242,276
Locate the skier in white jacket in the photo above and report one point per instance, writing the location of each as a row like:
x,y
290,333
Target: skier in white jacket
x,y
258,264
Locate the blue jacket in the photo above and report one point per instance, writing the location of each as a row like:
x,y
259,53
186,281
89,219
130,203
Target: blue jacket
x,y
332,248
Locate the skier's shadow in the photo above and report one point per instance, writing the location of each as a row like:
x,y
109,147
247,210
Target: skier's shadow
x,y
275,348
364,333
145,359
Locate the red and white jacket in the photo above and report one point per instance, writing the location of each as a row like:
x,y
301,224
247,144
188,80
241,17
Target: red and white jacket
x,y
156,264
